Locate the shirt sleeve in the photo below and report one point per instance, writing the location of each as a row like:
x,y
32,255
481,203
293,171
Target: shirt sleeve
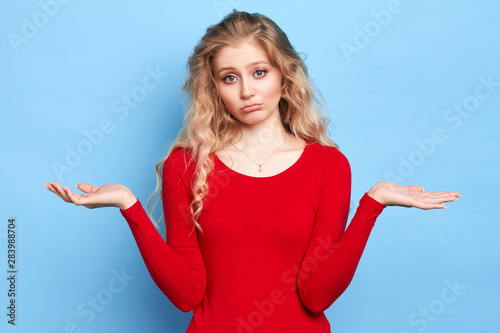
x,y
332,255
176,266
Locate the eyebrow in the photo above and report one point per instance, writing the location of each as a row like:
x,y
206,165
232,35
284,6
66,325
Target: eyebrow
x,y
249,65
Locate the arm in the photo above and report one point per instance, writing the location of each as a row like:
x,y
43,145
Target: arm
x,y
333,255
177,265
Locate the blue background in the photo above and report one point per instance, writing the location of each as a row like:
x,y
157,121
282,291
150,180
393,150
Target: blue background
x,y
389,82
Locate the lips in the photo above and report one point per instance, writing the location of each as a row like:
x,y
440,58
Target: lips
x,y
251,107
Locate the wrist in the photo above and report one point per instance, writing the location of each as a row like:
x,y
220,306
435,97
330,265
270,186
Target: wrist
x,y
374,193
127,201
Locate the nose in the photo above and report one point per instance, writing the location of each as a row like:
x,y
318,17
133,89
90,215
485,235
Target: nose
x,y
247,90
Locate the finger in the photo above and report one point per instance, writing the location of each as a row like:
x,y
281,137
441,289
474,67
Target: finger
x,y
449,198
51,188
443,197
79,199
438,206
431,206
456,194
72,197
60,191
87,188
431,203
442,193
416,188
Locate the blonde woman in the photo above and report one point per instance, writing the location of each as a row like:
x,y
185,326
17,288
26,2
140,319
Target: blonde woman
x,y
255,194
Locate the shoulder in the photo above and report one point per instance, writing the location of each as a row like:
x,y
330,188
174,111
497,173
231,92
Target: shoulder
x,y
179,160
331,166
329,157
179,155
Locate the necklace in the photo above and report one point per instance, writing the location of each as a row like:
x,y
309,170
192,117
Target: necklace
x,y
261,164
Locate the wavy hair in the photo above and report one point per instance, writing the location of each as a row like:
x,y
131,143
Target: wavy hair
x,y
208,126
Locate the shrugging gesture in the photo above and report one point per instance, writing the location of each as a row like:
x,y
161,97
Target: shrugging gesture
x,y
387,193
263,236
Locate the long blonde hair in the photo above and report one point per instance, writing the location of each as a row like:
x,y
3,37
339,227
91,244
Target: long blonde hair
x,y
208,125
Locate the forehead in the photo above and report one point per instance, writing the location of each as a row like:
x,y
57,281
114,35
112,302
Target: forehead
x,y
240,55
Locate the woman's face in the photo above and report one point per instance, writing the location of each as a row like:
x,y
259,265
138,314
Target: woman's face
x,y
247,83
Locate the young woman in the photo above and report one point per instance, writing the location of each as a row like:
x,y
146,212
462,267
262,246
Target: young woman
x,y
255,194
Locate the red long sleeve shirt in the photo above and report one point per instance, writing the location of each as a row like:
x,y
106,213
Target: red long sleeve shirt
x,y
273,254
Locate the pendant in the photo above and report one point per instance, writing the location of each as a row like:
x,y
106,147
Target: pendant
x,y
260,167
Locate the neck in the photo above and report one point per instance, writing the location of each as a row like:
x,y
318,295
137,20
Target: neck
x,y
262,137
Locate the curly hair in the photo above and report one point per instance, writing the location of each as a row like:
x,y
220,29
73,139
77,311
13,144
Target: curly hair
x,y
208,126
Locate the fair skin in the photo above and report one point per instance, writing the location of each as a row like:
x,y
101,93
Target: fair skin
x,y
250,88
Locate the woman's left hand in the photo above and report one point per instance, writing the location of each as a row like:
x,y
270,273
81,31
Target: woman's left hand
x,y
391,194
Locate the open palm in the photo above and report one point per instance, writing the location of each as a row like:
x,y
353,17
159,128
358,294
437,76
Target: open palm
x,y
109,195
391,194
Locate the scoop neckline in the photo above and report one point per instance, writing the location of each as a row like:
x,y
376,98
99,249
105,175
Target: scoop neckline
x,y
287,170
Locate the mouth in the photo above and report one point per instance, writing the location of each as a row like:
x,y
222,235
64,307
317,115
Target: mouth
x,y
251,107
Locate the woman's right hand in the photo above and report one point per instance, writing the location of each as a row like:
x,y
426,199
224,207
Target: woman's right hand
x,y
109,195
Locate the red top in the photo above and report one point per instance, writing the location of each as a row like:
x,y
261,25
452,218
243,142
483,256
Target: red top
x,y
273,254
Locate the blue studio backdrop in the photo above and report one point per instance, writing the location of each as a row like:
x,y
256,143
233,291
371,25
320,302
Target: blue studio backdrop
x,y
90,92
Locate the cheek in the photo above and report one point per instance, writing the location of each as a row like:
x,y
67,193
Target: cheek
x,y
221,91
227,97
273,90
274,84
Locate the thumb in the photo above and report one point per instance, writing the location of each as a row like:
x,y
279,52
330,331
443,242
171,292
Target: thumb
x,y
87,188
416,188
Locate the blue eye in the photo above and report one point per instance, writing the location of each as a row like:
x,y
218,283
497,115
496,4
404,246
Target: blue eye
x,y
229,78
260,73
